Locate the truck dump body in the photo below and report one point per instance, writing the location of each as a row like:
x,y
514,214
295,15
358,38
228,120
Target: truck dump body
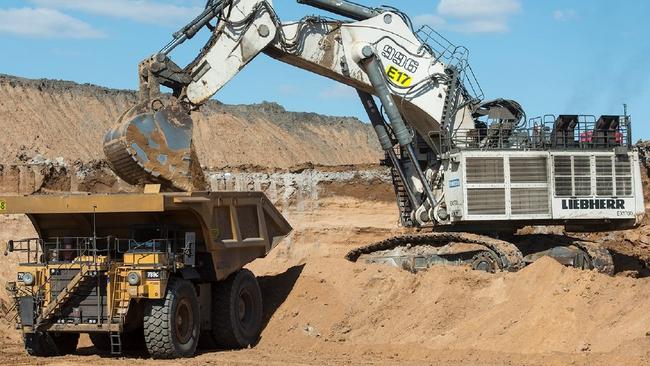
x,y
233,227
116,266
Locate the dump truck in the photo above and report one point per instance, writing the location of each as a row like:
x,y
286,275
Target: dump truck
x,y
155,270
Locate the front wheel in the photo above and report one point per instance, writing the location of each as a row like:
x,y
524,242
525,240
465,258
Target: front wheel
x,y
172,324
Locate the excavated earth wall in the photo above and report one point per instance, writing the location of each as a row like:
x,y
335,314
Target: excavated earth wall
x,y
60,119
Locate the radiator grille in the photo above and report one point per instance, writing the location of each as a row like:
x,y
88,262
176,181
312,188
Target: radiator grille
x,y
604,174
486,201
484,170
623,168
529,201
563,165
82,304
612,176
528,170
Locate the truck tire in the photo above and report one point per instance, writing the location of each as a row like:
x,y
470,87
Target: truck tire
x,y
43,344
172,324
66,343
101,341
237,311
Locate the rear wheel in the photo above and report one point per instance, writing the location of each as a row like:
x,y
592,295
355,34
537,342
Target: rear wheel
x,y
43,344
237,311
172,324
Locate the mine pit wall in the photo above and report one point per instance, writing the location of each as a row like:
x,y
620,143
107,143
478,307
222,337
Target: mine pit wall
x,y
27,179
300,190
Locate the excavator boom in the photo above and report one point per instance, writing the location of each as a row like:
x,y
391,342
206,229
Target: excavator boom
x,y
457,159
152,142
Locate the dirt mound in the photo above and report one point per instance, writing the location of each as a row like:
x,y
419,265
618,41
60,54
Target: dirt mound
x,y
546,308
60,119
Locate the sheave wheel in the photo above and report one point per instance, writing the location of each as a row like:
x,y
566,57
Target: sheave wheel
x,y
237,311
172,324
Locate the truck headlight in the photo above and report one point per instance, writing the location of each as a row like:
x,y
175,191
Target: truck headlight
x,y
133,278
28,278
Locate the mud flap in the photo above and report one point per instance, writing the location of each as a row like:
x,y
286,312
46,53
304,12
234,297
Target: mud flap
x,y
26,310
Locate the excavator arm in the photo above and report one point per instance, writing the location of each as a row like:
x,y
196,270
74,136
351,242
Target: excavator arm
x,y
424,83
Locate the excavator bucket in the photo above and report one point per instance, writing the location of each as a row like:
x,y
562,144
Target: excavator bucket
x,y
155,146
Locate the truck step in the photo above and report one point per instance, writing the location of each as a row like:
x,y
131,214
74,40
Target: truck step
x,y
116,343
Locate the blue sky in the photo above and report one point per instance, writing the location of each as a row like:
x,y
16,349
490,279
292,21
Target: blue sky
x,y
554,56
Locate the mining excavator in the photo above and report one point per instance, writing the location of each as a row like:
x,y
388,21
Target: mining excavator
x,y
466,170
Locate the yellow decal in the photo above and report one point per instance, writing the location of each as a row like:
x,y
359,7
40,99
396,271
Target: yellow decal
x,y
401,78
3,205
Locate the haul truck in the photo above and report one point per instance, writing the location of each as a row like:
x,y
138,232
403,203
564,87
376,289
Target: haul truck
x,y
162,270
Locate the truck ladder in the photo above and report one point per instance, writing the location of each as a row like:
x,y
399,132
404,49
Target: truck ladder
x,y
120,299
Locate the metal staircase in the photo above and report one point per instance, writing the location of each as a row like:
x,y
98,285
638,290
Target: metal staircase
x,y
403,203
449,109
120,299
85,273
118,309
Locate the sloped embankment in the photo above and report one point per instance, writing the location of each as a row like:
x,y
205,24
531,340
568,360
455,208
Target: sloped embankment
x,y
61,119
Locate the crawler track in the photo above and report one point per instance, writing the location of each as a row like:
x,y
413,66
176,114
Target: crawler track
x,y
509,256
601,259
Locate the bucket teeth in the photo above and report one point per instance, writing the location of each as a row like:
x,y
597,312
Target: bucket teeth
x,y
155,147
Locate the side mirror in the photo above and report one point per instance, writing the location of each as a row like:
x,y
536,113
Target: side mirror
x,y
9,248
190,248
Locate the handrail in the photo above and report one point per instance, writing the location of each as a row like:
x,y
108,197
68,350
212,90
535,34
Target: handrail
x,y
544,133
59,250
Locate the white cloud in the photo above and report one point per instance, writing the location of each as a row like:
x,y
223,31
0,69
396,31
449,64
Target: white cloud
x,y
565,15
478,8
142,11
48,23
338,91
432,20
288,89
482,26
478,16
